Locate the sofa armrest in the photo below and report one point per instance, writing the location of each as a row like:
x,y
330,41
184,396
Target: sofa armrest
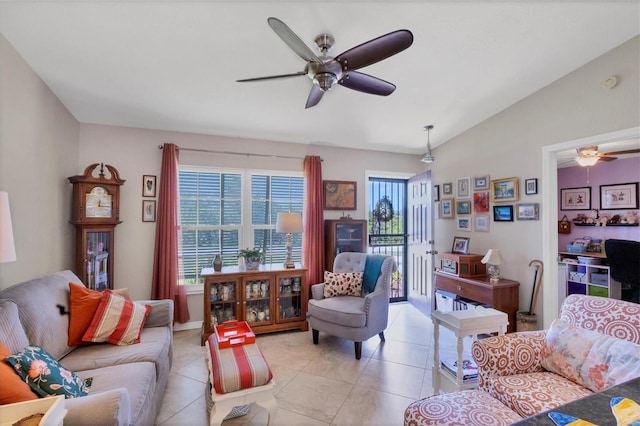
x,y
104,408
507,355
161,314
317,291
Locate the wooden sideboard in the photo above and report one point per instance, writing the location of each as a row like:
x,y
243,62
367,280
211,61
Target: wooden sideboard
x,y
502,295
269,299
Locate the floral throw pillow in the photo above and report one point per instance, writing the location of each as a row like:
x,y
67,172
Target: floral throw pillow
x,y
45,375
342,284
591,359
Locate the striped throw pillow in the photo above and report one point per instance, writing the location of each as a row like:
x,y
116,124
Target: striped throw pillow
x,y
117,320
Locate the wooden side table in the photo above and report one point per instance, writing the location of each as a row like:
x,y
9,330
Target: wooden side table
x,y
470,322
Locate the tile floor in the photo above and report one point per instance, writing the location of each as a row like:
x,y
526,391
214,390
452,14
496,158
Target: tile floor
x,y
318,384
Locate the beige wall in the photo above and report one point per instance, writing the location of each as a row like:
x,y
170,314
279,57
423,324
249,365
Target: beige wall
x,y
38,151
134,153
510,143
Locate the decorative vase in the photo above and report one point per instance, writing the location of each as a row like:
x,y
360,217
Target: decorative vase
x,y
217,263
252,263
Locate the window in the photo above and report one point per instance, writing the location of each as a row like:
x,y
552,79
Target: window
x,y
222,211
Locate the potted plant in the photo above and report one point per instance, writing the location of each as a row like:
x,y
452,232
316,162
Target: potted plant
x,y
252,257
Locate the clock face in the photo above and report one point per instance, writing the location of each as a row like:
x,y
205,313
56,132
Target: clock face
x,y
98,203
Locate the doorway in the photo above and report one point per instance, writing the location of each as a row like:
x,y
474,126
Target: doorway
x,y
550,190
387,222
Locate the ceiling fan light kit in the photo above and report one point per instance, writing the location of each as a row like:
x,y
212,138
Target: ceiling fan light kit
x,y
325,71
589,155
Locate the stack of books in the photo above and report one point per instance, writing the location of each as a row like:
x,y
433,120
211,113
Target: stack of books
x,y
469,369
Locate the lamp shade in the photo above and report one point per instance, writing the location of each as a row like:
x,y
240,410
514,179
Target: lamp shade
x,y
586,161
289,223
493,257
7,246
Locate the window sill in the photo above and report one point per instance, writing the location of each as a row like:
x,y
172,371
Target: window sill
x,y
194,289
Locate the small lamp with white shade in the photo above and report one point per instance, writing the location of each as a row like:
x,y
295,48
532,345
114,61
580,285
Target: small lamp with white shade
x,y
289,223
492,259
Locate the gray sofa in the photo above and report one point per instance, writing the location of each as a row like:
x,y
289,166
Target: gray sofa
x,y
128,381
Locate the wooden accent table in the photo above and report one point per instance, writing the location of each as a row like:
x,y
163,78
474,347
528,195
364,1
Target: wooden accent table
x,y
503,295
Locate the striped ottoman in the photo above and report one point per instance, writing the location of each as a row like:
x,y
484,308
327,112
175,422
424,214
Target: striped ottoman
x,y
469,408
238,376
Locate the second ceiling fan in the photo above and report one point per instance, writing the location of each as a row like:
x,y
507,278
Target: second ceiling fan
x,y
589,155
325,70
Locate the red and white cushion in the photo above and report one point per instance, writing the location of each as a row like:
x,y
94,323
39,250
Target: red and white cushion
x,y
117,320
342,284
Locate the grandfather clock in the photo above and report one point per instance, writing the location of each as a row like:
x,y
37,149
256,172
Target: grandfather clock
x,y
95,214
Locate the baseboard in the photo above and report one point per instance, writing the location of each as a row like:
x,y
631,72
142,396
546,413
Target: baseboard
x,y
191,325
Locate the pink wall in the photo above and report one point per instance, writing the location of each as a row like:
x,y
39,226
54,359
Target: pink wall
x,y
603,173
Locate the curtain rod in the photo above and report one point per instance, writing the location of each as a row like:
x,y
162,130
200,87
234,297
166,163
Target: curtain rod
x,y
213,151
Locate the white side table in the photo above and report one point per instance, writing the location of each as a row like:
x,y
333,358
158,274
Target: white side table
x,y
470,322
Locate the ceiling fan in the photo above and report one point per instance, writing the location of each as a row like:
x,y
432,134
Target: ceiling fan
x,y
325,71
589,155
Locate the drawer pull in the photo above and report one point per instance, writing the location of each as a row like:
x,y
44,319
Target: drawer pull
x,y
459,288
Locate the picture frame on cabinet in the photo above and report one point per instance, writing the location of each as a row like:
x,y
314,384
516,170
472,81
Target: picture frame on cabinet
x,y
148,186
460,245
480,182
482,223
531,186
575,198
503,213
446,208
504,190
529,211
464,223
447,188
619,196
148,210
463,187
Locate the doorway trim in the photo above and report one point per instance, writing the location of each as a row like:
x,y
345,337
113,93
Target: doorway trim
x,y
549,189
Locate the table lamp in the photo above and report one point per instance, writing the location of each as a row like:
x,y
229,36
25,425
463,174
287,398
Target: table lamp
x,y
7,246
493,258
289,223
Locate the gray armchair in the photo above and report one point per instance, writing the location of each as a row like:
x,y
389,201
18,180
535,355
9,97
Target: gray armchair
x,y
354,318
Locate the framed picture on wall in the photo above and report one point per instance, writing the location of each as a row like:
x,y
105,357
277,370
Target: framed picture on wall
x,y
148,210
436,192
620,196
464,223
447,188
503,213
575,198
504,190
528,211
148,186
482,223
463,187
480,182
339,195
531,186
446,208
481,201
463,207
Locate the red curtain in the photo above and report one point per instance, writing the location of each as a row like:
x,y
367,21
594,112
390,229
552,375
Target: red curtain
x,y
165,259
313,236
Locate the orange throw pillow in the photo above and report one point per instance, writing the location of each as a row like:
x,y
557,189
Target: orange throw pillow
x,y
12,387
83,303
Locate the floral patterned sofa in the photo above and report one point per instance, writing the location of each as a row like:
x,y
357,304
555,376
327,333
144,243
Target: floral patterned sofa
x,y
593,345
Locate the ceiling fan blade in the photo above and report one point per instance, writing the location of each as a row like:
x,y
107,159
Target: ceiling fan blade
x,y
314,96
272,77
626,151
375,50
366,83
606,158
292,40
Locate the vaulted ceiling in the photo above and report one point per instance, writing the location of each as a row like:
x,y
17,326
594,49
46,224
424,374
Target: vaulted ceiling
x,y
173,65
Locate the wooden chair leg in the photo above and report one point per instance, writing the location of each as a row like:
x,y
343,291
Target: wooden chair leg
x,y
316,334
381,334
358,348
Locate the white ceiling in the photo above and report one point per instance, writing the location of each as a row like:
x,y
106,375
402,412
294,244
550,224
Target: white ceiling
x,y
172,65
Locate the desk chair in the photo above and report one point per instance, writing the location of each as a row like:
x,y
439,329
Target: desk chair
x,y
624,263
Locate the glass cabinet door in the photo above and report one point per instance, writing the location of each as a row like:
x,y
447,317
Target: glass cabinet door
x,y
349,237
257,295
223,302
290,296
